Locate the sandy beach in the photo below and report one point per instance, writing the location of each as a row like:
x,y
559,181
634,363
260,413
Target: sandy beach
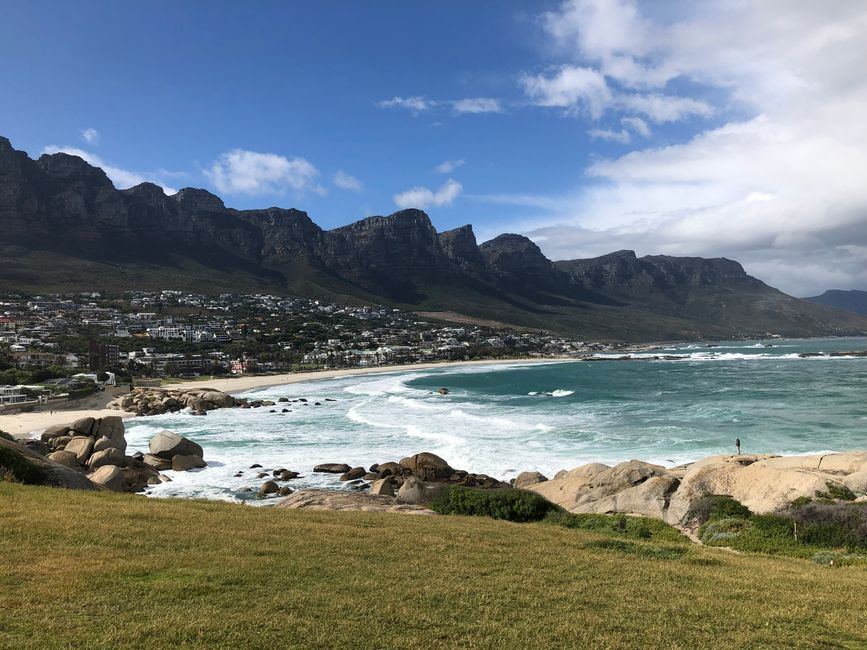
x,y
31,424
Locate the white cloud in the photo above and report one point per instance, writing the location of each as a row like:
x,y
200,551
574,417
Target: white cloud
x,y
347,181
571,88
90,136
448,166
776,182
469,105
638,125
477,105
422,197
252,173
665,108
621,136
121,178
414,104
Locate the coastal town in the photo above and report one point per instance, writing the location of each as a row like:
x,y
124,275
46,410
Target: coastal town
x,y
71,344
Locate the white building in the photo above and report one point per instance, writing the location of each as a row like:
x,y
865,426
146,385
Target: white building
x,y
11,395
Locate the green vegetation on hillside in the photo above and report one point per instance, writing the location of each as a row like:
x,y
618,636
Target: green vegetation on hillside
x,y
825,531
101,570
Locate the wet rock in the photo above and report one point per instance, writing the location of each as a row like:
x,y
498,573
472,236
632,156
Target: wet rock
x,y
268,487
182,463
427,466
167,444
332,468
156,462
353,474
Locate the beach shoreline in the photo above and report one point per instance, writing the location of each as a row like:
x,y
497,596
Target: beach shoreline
x,y
26,425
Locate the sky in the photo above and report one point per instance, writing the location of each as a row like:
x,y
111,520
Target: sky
x,y
725,128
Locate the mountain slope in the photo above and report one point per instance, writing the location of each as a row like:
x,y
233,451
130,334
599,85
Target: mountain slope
x,y
853,300
64,227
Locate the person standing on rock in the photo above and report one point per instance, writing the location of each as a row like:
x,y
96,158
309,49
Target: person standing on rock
x,y
738,444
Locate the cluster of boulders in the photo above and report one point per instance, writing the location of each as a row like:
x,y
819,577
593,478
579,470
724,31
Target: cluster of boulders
x,y
156,401
96,447
763,483
415,479
272,486
168,450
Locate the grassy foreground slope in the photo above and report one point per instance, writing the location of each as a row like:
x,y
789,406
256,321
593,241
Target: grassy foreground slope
x,y
101,570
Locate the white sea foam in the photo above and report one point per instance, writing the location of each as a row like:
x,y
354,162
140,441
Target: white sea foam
x,y
483,426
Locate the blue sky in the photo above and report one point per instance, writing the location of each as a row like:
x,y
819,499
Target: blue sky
x,y
589,125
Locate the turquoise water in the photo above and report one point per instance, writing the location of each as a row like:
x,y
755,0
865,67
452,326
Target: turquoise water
x,y
544,416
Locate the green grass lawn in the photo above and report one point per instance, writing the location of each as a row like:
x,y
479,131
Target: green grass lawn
x,y
101,570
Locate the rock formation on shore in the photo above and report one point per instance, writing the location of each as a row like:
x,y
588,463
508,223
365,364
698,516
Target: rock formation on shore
x,y
156,401
763,483
91,453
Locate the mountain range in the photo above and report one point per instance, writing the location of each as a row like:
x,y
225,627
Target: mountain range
x,y
851,300
64,226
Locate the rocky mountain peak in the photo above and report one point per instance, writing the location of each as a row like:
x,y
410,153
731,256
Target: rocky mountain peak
x,y
67,167
194,200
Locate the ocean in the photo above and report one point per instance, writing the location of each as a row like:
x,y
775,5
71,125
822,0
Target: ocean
x,y
545,416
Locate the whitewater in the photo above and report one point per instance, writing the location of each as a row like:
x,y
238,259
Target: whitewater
x,y
504,419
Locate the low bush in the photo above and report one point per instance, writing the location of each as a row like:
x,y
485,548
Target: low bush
x,y
832,525
836,492
717,506
509,504
617,525
15,468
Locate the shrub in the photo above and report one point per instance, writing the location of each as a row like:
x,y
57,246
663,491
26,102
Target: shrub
x,y
717,506
836,492
617,525
15,468
832,525
719,531
506,503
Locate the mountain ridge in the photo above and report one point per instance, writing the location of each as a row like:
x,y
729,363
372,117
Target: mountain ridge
x,y
63,224
852,300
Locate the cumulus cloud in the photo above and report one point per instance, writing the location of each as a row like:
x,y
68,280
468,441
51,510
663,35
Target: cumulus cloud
x,y
477,105
448,166
571,88
253,174
422,197
90,136
120,177
347,181
777,181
